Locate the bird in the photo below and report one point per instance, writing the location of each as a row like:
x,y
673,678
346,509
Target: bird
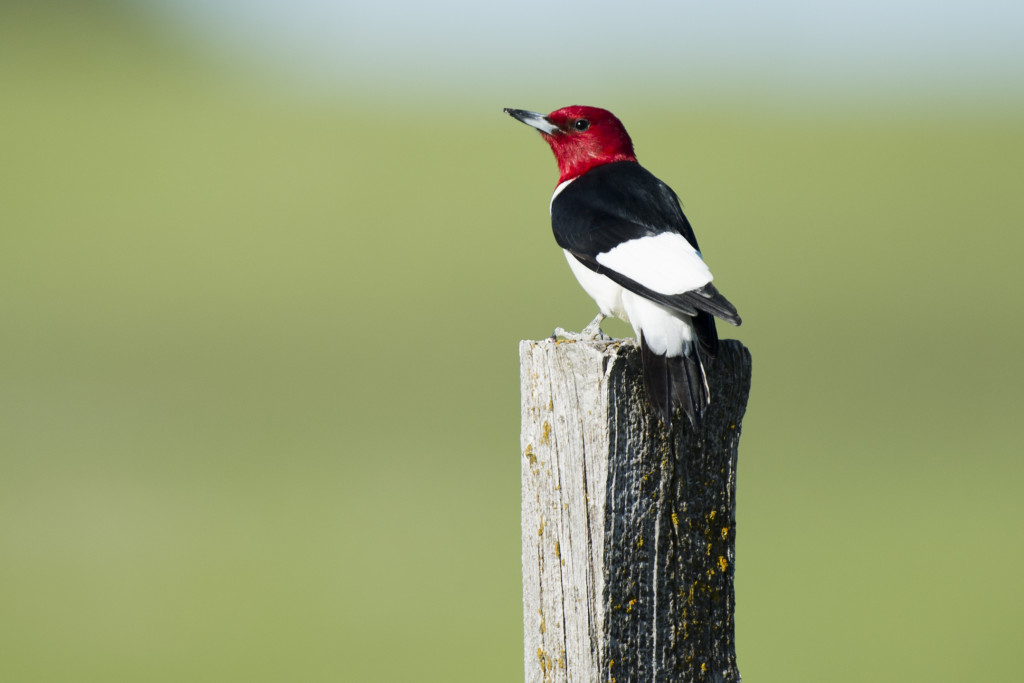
x,y
632,249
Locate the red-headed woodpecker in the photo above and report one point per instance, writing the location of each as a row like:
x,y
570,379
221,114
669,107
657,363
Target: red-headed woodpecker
x,y
630,246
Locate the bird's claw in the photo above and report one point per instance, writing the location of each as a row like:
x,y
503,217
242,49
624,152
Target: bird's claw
x,y
591,332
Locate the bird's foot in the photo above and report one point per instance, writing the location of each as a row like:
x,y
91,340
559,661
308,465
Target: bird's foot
x,y
591,332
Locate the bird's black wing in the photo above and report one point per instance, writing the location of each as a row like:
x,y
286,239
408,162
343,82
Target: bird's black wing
x,y
619,202
615,203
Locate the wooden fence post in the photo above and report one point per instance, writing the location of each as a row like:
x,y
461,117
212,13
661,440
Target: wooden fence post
x,y
628,530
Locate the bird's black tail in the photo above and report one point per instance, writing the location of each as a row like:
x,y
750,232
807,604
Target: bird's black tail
x,y
674,382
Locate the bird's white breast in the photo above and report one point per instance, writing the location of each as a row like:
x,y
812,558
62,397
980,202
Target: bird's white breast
x,y
665,330
606,293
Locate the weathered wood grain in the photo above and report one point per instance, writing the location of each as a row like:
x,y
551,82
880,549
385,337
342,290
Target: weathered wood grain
x,y
628,530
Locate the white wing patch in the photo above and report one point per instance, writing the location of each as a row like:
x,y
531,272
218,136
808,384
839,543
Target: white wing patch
x,y
665,263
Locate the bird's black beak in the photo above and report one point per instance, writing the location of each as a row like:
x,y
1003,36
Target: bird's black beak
x,y
532,118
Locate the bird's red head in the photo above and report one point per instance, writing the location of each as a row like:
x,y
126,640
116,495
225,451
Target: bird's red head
x,y
580,137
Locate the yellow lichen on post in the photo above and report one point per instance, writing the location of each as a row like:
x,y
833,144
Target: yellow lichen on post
x,y
529,454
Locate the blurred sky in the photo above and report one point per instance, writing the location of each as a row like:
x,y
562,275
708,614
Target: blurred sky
x,y
904,46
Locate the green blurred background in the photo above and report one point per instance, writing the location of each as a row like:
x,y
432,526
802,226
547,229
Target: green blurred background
x,y
259,390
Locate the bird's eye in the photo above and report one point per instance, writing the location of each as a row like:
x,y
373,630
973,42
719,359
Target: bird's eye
x,y
581,125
